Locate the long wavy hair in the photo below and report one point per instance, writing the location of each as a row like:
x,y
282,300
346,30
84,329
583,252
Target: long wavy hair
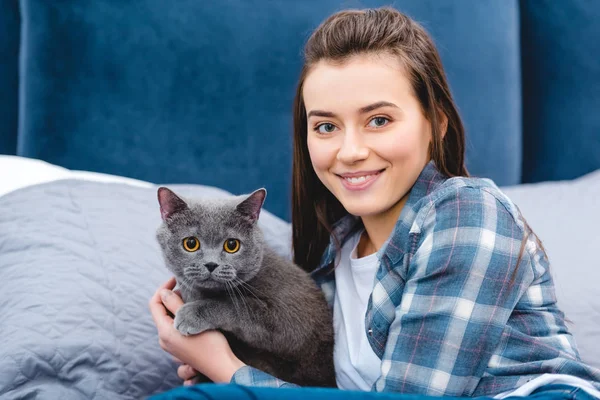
x,y
344,35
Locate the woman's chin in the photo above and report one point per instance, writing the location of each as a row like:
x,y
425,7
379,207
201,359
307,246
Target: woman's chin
x,y
372,207
363,209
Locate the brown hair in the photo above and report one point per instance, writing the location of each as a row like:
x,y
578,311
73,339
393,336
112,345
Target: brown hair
x,y
341,36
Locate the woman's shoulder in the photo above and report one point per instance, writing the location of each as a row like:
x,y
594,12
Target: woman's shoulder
x,y
472,200
463,214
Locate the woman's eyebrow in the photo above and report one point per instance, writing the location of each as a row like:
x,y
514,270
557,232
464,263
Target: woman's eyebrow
x,y
362,110
320,113
375,106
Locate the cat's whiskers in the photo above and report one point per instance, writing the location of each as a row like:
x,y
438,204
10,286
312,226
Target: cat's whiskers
x,y
250,289
184,281
229,288
246,287
193,275
242,298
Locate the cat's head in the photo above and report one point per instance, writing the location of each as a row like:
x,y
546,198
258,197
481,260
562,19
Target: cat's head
x,y
211,243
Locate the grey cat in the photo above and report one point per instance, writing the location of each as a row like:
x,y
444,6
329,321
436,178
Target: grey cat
x,y
272,313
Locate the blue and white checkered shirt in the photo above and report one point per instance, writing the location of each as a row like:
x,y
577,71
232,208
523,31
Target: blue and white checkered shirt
x,y
451,312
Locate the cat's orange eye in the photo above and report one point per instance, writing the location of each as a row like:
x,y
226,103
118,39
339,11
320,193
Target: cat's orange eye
x,y
231,245
191,244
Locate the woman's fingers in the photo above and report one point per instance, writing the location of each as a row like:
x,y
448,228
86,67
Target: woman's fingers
x,y
169,285
157,307
171,300
186,373
192,381
158,311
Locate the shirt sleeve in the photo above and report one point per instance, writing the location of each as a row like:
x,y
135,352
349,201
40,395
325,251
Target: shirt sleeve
x,y
249,376
461,285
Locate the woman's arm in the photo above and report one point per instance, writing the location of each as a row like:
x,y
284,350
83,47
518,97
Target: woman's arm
x,y
208,353
462,284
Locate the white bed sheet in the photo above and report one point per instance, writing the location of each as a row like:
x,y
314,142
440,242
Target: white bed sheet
x,y
19,172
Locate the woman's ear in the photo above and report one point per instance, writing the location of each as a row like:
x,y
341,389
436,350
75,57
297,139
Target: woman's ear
x,y
443,121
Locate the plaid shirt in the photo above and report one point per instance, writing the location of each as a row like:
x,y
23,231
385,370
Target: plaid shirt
x,y
451,312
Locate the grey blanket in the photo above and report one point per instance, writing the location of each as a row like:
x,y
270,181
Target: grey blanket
x,y
78,264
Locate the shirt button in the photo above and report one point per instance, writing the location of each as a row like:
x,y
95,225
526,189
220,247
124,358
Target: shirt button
x,y
370,331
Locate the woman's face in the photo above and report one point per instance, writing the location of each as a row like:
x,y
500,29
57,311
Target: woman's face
x,y
367,136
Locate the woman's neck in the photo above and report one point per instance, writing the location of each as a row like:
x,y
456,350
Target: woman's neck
x,y
378,228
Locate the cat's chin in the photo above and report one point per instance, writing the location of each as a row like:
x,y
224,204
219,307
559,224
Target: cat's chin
x,y
212,284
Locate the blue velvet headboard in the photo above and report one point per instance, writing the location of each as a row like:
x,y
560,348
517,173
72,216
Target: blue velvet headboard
x,y
201,92
9,76
561,88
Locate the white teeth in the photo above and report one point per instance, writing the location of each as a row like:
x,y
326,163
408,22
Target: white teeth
x,y
358,179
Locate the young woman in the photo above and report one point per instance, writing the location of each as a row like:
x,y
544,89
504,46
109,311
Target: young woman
x,y
437,283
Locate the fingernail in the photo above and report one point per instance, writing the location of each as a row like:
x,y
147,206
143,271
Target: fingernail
x,y
164,293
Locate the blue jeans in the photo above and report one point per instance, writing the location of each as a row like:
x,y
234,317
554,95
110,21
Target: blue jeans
x,y
237,392
558,391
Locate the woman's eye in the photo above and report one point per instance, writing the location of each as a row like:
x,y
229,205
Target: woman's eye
x,y
231,245
191,244
378,122
325,128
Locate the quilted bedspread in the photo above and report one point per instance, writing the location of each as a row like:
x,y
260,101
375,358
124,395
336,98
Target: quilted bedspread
x,y
78,264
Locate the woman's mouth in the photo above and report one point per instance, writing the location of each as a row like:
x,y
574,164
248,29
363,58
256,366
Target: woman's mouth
x,y
359,180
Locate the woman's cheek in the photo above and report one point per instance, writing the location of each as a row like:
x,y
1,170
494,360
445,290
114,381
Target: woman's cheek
x,y
321,156
403,145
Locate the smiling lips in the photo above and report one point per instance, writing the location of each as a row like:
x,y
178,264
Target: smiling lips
x,y
359,180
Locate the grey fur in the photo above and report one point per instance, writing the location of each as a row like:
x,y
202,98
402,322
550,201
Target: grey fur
x,y
273,314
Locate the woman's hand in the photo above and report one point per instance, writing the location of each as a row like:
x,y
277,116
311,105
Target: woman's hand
x,y
187,374
208,352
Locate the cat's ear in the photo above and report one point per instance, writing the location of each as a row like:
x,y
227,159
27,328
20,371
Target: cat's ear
x,y
170,203
250,207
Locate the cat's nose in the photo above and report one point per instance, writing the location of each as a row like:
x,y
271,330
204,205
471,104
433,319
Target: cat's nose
x,y
211,266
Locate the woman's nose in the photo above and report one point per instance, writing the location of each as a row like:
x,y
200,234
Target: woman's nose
x,y
353,148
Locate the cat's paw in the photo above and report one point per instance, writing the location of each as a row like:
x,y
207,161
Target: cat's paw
x,y
188,320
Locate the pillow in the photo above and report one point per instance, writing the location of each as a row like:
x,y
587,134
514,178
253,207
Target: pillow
x,y
565,216
78,263
18,172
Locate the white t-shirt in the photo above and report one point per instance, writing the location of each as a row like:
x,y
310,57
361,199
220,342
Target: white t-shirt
x,y
357,366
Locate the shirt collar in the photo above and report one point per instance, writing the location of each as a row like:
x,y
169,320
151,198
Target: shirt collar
x,y
429,179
